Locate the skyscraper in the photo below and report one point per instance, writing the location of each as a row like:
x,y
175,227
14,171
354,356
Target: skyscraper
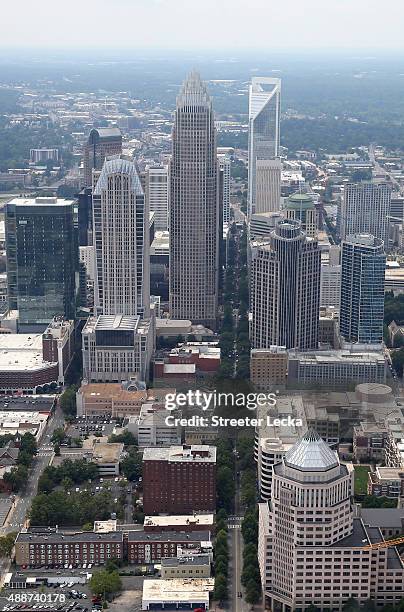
x,y
101,143
311,548
365,209
363,264
268,185
42,259
285,289
194,207
156,180
225,170
121,239
301,206
263,131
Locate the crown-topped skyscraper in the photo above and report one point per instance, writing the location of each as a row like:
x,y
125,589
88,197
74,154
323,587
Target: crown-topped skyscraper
x,y
194,207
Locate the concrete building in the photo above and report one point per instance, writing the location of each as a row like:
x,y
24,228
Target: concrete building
x,y
263,129
36,548
268,185
179,479
179,523
150,427
121,239
189,360
101,143
363,263
117,348
336,368
159,264
268,367
87,256
386,482
157,189
197,566
39,156
42,260
107,456
116,400
58,344
330,286
263,224
365,209
300,206
13,422
225,174
194,208
311,549
181,594
285,290
369,442
146,547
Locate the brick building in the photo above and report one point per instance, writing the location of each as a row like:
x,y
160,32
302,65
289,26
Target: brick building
x,y
152,547
55,548
179,479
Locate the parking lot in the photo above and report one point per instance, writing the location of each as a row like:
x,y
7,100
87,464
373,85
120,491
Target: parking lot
x,y
64,597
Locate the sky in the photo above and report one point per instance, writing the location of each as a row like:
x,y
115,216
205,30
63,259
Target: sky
x,y
203,24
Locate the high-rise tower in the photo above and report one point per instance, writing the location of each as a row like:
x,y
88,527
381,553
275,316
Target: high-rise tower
x,y
285,289
365,209
121,240
101,143
263,136
363,264
194,207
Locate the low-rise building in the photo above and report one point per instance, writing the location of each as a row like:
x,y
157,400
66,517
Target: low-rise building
x,y
58,344
188,360
57,548
195,566
151,429
116,400
107,456
336,368
179,594
386,482
146,547
369,442
18,423
268,367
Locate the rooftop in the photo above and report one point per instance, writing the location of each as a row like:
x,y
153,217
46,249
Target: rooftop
x,y
178,591
50,537
117,322
49,201
177,520
196,560
21,352
311,453
113,391
169,536
183,454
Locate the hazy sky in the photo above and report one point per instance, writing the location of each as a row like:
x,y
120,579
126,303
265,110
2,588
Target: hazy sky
x,y
207,24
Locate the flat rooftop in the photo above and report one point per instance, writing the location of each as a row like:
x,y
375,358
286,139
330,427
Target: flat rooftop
x,y
40,202
179,520
49,537
107,452
113,391
169,536
174,591
183,561
182,454
383,517
117,322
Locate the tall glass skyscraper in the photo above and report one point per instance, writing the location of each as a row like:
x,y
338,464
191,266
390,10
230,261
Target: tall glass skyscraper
x,y
363,264
285,289
121,240
365,208
194,207
264,129
42,259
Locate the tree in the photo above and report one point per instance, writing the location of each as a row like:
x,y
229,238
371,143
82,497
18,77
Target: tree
x,y
87,527
58,435
105,583
68,401
28,444
220,592
131,466
7,544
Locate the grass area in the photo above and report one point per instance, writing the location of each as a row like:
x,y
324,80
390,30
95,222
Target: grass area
x,y
361,479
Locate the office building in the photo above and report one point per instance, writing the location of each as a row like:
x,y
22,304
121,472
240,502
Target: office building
x,y
225,176
177,594
117,348
42,260
365,209
101,143
330,286
179,479
268,174
263,130
363,264
194,208
311,549
268,367
300,206
157,188
121,240
150,427
285,289
41,156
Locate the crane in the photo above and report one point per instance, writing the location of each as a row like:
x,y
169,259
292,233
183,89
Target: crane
x,y
384,544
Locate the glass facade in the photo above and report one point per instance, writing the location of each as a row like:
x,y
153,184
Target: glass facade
x,y
42,259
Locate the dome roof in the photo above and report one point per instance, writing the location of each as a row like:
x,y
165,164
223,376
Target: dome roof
x,y
311,454
299,201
